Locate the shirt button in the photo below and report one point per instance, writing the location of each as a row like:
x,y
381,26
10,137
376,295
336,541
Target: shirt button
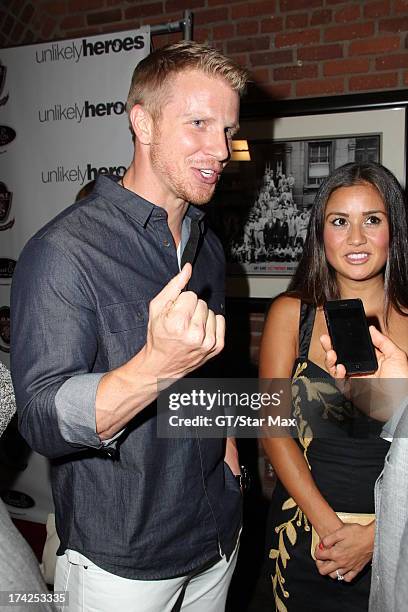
x,y
166,243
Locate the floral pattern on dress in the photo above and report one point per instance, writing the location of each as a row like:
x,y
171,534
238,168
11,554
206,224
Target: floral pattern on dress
x,y
315,391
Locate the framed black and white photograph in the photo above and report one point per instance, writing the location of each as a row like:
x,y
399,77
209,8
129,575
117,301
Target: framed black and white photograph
x,y
262,205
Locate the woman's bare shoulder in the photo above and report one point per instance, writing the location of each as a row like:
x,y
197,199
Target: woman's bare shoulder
x,y
286,307
280,337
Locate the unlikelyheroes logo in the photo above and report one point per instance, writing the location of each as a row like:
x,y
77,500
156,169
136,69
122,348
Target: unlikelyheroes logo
x,y
78,112
76,50
3,72
78,174
5,329
6,198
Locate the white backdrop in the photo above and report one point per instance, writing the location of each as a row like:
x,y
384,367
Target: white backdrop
x,y
62,119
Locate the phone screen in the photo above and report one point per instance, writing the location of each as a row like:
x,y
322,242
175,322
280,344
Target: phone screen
x,y
351,340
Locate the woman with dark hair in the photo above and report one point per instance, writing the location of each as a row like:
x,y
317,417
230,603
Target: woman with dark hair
x,y
355,248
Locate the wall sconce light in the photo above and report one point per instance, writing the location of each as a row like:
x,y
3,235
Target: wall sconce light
x,y
240,151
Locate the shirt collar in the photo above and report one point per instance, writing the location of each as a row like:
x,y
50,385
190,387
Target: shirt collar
x,y
134,205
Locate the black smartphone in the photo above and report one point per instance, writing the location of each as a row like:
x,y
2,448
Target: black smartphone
x,y
348,329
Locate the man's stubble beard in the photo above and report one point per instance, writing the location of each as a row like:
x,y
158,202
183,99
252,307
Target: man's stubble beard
x,y
164,167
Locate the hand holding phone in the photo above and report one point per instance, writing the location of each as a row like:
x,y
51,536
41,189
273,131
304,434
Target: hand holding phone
x,y
348,329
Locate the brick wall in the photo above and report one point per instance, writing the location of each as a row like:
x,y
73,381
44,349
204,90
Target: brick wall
x,y
294,48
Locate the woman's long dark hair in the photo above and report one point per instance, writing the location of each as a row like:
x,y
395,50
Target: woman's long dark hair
x,y
314,280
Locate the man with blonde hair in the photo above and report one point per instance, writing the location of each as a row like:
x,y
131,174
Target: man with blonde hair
x,y
146,524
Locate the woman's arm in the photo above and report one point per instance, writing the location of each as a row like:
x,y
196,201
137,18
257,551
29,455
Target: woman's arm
x,y
279,349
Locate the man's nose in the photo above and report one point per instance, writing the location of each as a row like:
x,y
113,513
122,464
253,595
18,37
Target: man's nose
x,y
220,146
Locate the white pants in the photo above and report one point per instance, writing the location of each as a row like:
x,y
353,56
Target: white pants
x,y
92,589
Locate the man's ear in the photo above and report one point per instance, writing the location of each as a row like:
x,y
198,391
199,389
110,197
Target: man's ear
x,y
142,124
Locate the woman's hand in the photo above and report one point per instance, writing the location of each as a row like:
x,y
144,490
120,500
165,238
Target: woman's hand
x,y
392,361
346,550
378,395
327,524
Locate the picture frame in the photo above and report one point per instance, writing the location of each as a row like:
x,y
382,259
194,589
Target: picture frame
x,y
347,121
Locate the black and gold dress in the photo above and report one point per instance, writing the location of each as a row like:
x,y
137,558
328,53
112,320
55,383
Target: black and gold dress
x,y
345,454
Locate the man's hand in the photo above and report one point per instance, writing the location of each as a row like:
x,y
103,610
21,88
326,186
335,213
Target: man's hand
x,y
231,457
347,550
183,333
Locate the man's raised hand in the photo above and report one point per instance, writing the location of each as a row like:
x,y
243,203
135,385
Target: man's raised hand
x,y
183,333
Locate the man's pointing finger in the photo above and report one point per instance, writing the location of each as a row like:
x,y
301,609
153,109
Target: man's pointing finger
x,y
172,290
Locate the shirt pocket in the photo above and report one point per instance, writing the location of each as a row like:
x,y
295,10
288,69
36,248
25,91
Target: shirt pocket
x,y
125,327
